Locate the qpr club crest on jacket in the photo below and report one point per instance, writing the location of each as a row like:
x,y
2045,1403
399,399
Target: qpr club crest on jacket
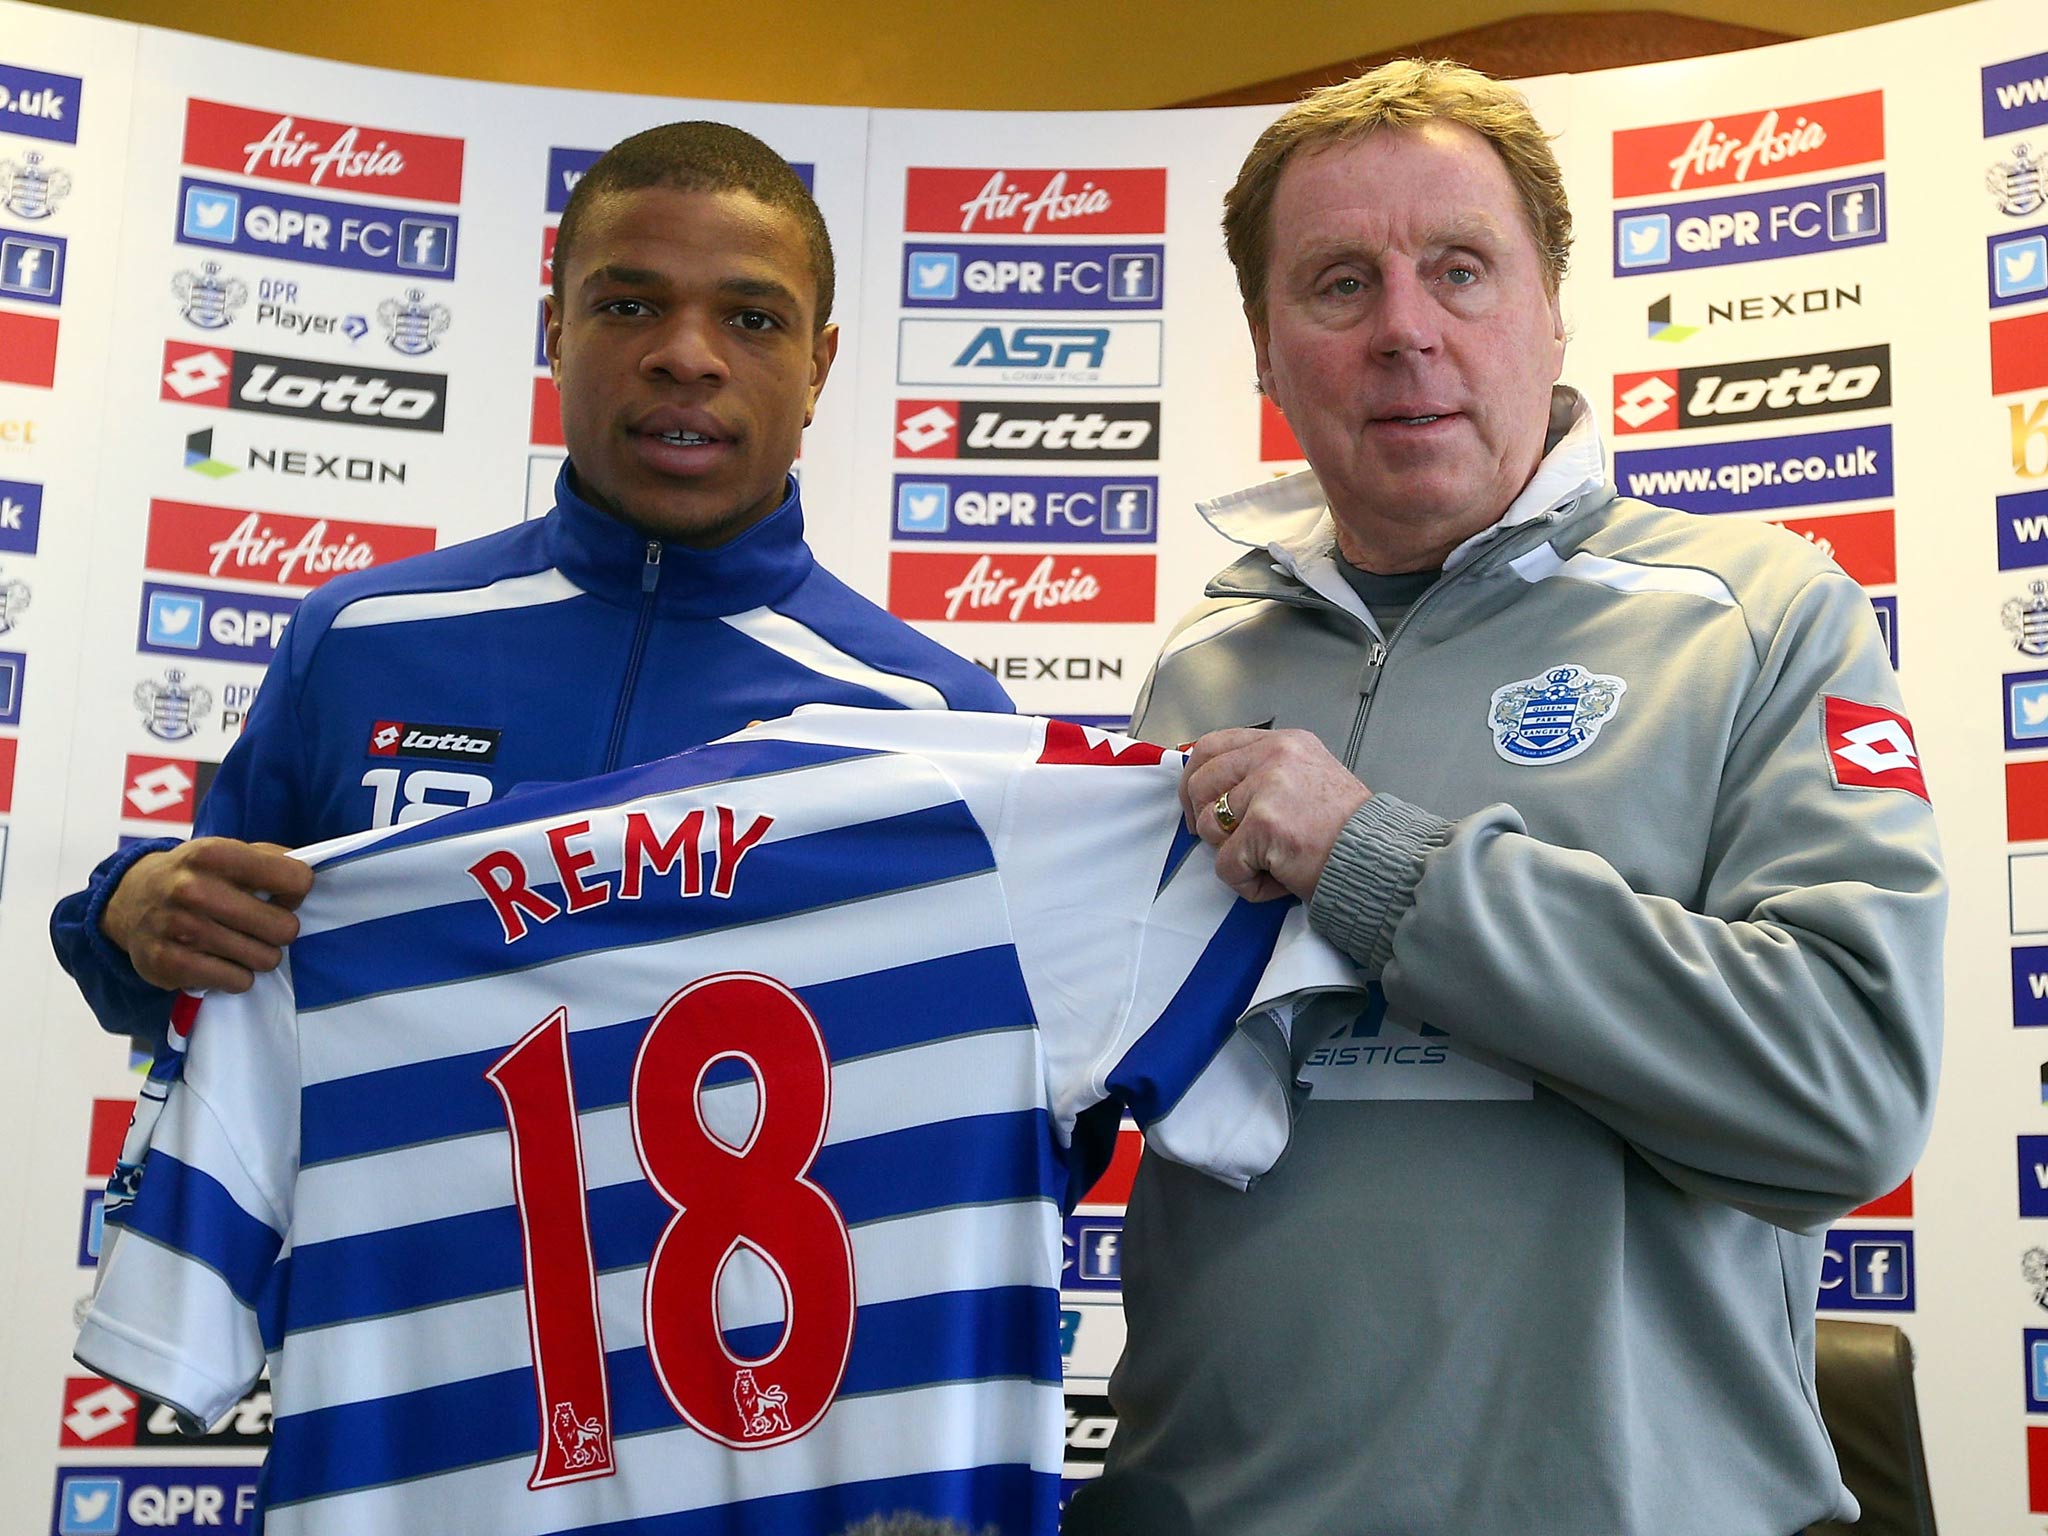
x,y
1554,715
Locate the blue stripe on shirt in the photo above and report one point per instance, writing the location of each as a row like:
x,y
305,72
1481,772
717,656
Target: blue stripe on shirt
x,y
1008,1331
187,1209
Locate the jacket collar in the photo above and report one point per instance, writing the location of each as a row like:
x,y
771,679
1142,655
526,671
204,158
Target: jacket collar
x,y
609,560
1287,522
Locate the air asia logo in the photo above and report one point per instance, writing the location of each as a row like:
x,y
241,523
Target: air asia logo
x,y
342,156
1013,589
1753,146
2019,353
1019,509
444,743
1761,226
276,224
1871,747
32,268
1068,277
991,429
289,386
271,546
40,106
955,200
1771,389
28,350
1121,354
99,1413
28,191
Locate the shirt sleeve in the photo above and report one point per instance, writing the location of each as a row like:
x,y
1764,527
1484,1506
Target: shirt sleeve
x,y
1772,1044
1153,983
188,1265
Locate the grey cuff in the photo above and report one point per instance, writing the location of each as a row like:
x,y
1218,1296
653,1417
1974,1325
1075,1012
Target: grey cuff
x,y
1369,883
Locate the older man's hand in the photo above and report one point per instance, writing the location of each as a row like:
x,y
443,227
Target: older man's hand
x,y
1287,797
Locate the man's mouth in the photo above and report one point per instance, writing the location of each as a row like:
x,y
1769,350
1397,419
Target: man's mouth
x,y
683,439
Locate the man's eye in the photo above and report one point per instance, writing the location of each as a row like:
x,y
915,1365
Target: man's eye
x,y
1346,287
1461,277
755,320
625,307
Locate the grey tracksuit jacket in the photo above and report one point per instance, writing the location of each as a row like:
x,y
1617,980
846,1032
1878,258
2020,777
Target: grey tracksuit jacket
x,y
1659,931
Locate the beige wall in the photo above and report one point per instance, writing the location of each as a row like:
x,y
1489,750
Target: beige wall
x,y
1002,54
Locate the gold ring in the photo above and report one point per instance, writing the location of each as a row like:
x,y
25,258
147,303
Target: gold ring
x,y
1226,818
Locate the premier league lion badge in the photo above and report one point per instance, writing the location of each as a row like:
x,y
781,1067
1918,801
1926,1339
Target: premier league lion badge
x,y
1554,715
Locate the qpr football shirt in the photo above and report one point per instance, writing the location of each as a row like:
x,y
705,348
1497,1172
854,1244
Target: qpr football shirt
x,y
678,1153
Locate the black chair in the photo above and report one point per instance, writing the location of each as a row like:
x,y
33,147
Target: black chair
x,y
1864,1372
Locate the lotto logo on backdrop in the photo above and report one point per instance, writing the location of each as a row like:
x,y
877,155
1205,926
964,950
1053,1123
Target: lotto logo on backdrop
x,y
1757,476
1014,588
990,429
1750,147
188,539
360,236
1121,354
39,105
2026,710
1871,747
1072,277
957,200
1019,510
2017,266
165,789
102,1414
32,268
341,393
1863,544
1867,1270
220,626
28,349
1762,226
2015,95
1770,389
276,146
115,1501
2019,353
21,516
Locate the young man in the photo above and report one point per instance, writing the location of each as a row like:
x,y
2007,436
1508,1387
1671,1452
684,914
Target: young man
x,y
668,598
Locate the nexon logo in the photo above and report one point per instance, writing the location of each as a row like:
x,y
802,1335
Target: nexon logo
x,y
285,386
1817,384
989,429
445,743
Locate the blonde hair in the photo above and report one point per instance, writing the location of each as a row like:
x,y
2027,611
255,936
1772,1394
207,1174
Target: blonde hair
x,y
1403,93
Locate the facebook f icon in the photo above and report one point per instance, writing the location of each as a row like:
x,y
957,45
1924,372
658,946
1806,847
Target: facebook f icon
x,y
28,268
426,245
1877,1271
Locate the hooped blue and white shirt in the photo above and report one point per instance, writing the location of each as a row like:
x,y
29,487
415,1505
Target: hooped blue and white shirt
x,y
678,1151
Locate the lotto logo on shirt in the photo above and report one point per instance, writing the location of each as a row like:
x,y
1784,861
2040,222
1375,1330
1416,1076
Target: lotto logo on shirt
x,y
359,396
2015,95
118,1501
956,200
1016,589
1867,1269
32,267
1861,543
2019,353
1018,510
281,225
188,539
276,146
1073,277
1770,389
1871,747
1762,226
221,626
21,516
39,105
28,349
444,743
1750,147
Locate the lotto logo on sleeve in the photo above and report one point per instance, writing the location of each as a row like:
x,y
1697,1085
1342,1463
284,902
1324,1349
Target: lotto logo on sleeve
x,y
1018,509
360,236
1867,1269
1750,147
344,394
2015,95
1761,226
28,349
956,200
188,539
1016,589
32,267
39,105
1871,747
21,516
277,146
1073,277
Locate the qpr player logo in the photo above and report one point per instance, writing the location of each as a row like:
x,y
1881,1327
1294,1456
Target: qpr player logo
x,y
170,710
2026,620
1554,715
413,328
28,191
14,597
2016,184
207,299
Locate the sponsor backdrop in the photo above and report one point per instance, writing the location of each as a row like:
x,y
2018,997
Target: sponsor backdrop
x,y
266,319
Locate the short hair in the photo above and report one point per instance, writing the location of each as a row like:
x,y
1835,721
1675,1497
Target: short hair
x,y
1403,93
699,157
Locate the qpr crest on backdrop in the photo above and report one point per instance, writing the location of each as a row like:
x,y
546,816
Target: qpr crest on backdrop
x,y
14,596
413,328
170,710
28,191
1554,715
206,298
2026,619
2016,184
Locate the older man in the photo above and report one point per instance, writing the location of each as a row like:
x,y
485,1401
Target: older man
x,y
1619,807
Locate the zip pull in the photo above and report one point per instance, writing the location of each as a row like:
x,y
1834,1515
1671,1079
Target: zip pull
x,y
1375,653
652,568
